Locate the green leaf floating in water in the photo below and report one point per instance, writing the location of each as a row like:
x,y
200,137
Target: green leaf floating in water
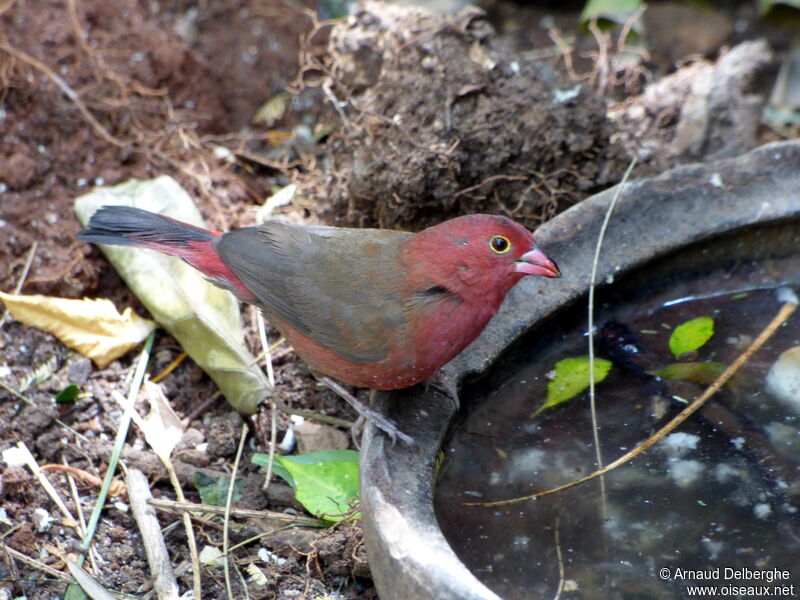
x,y
696,372
572,377
691,335
326,483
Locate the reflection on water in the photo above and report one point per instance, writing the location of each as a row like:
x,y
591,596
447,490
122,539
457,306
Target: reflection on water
x,y
721,492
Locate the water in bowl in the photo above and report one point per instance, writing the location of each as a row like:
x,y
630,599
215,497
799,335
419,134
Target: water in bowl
x,y
713,504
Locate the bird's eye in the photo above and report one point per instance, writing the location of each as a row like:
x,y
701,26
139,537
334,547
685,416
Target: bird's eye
x,y
499,244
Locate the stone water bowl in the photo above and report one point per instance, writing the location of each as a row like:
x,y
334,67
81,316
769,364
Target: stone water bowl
x,y
685,221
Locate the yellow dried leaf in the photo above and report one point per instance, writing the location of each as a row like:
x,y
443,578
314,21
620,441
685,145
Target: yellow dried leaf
x,y
273,109
92,327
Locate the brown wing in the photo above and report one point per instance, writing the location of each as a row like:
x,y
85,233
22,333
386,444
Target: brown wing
x,y
340,287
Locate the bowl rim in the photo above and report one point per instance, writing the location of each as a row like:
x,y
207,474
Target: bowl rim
x,y
408,554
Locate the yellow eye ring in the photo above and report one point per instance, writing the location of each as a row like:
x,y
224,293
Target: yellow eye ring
x,y
499,244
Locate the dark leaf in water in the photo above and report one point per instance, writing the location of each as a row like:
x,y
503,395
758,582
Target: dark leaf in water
x,y
696,372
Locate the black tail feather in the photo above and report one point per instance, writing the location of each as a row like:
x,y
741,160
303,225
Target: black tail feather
x,y
128,226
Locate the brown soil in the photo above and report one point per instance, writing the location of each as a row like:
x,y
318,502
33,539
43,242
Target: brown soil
x,y
450,121
94,93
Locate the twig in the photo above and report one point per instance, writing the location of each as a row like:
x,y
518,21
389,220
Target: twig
x,y
565,51
592,284
163,576
602,66
227,519
32,562
23,276
117,487
262,336
629,75
271,164
262,535
487,180
560,558
783,314
48,487
306,59
5,5
326,88
78,509
200,408
273,428
169,368
77,29
100,63
310,414
187,524
243,513
264,353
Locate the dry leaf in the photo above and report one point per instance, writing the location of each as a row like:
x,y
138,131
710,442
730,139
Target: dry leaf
x,y
162,427
202,317
92,327
478,54
273,109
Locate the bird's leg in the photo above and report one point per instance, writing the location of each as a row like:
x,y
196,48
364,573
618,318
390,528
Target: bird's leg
x,y
357,431
367,412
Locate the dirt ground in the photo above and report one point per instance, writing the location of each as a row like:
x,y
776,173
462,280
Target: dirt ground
x,y
94,93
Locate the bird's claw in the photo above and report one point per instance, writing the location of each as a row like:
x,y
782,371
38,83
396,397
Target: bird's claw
x,y
390,429
444,383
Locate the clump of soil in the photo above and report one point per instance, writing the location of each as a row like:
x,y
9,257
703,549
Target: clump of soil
x,y
704,111
441,118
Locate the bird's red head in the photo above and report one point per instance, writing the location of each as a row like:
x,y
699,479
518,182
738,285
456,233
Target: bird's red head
x,y
480,256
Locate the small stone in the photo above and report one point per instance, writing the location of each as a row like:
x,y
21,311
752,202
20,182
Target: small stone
x,y
313,437
42,519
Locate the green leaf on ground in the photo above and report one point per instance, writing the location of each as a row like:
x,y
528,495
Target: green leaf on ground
x,y
326,483
691,335
68,394
572,377
214,492
262,460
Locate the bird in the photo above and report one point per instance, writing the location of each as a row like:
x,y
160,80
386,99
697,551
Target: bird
x,y
375,308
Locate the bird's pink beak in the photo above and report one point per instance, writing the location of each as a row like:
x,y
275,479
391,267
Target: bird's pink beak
x,y
536,262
